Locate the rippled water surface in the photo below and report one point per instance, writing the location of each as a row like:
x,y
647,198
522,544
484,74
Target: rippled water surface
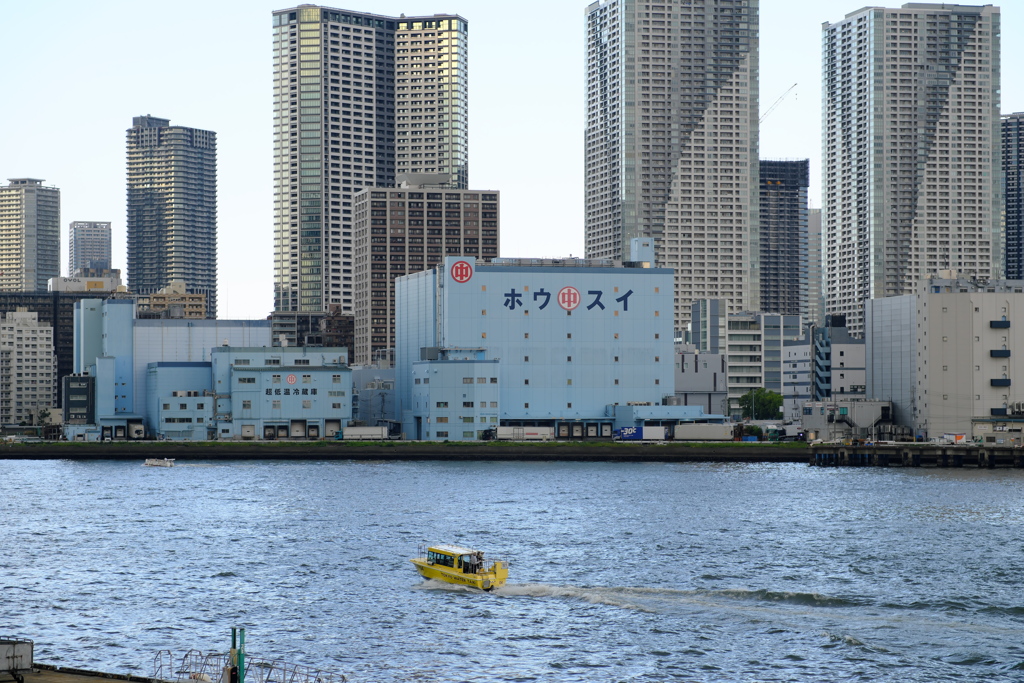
x,y
620,572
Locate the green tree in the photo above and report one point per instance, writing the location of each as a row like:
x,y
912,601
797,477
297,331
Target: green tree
x,y
761,404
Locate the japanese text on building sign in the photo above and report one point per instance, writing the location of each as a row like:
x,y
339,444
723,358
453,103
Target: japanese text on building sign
x,y
569,298
287,391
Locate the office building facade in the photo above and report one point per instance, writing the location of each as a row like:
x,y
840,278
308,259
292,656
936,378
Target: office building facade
x,y
172,208
357,98
754,353
1013,193
672,142
29,235
785,269
404,230
911,161
88,247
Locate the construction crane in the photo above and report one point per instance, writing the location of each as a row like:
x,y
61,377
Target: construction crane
x,y
776,103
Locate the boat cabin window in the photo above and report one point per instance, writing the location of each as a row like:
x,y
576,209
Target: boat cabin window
x,y
441,558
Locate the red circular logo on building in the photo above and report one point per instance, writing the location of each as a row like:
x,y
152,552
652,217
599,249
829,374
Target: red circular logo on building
x,y
462,271
290,379
568,298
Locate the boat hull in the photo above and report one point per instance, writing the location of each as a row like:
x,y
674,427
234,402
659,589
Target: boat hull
x,y
494,577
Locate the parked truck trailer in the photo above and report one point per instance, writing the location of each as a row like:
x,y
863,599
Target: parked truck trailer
x,y
363,434
645,433
703,432
524,433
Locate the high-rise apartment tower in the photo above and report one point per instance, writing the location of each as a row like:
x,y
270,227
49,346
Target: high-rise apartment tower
x,y
911,160
88,246
29,235
172,208
783,236
1013,193
672,142
357,98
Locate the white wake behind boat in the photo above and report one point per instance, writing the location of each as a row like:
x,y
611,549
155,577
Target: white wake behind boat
x,y
159,462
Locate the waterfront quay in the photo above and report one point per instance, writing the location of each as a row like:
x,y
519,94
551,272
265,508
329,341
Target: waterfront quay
x,y
915,455
47,673
581,451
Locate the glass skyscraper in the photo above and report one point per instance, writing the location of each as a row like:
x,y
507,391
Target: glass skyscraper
x,y
358,98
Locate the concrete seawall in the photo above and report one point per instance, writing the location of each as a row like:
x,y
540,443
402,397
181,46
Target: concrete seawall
x,y
394,450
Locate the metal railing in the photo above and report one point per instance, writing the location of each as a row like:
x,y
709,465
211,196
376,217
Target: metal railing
x,y
195,666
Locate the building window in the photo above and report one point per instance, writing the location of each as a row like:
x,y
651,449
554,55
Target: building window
x,y
468,419
167,406
467,380
336,379
247,380
442,404
526,405
241,361
468,435
444,434
526,381
307,379
568,405
468,404
494,380
275,405
441,419
275,379
336,406
246,405
306,405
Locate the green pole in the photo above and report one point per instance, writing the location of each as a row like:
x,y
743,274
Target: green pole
x,y
241,655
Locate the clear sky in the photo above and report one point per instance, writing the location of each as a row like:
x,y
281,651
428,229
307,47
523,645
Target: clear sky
x,y
75,73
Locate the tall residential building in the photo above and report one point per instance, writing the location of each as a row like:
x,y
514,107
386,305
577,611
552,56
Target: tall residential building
x,y
911,164
815,312
29,235
172,208
88,246
672,142
357,98
405,230
1013,193
784,251
27,368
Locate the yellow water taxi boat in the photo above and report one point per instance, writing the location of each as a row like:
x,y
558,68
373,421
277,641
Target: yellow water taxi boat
x,y
463,566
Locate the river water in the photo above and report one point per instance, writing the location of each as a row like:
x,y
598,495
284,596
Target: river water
x,y
620,571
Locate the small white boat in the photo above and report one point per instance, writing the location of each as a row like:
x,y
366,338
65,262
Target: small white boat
x,y
159,462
